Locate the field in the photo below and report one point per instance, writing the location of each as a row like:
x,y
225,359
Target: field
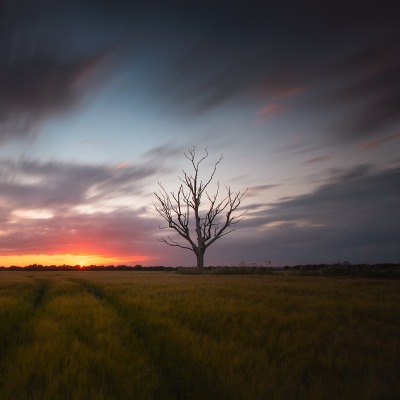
x,y
161,335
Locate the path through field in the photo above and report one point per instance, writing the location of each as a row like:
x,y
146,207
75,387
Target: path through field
x,y
157,335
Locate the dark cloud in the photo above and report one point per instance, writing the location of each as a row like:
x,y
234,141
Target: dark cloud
x,y
34,184
31,93
222,62
197,57
286,63
372,93
44,70
354,215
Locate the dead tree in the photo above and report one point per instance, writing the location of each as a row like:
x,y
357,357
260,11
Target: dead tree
x,y
194,214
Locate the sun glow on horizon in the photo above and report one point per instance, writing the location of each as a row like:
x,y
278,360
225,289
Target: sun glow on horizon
x,y
69,259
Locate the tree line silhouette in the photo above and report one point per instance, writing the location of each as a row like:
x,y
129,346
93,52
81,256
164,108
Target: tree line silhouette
x,y
376,271
65,267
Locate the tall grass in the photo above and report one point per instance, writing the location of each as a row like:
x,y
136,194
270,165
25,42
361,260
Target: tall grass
x,y
280,338
110,335
77,348
15,309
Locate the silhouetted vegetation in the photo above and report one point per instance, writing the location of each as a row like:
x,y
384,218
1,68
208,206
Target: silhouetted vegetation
x,y
390,271
387,271
38,267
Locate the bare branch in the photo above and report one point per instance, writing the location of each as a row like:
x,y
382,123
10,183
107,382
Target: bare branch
x,y
209,223
173,243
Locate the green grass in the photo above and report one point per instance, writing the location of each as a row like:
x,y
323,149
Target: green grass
x,y
158,335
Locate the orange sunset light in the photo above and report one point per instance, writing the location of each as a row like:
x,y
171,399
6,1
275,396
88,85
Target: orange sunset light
x,y
69,259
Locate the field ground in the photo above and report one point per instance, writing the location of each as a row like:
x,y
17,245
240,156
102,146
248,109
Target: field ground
x,y
159,335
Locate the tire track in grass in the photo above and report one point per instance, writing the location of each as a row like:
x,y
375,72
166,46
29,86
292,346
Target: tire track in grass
x,y
41,291
192,381
165,391
92,353
171,391
26,315
15,330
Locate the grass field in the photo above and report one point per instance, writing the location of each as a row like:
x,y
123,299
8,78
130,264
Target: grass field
x,y
158,335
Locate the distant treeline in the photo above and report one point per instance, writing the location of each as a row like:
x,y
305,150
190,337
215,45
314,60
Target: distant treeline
x,y
389,271
38,267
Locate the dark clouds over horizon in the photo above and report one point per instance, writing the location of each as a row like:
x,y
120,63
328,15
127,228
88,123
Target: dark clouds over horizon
x,y
350,214
99,99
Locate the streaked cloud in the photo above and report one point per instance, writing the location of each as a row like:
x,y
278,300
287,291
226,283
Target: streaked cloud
x,y
99,100
31,184
318,159
370,89
259,189
373,144
33,91
354,215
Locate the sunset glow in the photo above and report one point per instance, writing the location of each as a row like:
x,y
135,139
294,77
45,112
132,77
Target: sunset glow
x,y
100,100
68,259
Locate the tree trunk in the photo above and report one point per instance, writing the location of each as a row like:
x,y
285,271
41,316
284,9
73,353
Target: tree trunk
x,y
200,260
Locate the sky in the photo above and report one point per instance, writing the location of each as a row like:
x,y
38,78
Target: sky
x,y
99,100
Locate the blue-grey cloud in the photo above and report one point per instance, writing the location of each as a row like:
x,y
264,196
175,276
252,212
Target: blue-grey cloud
x,y
44,71
196,58
354,215
371,96
34,184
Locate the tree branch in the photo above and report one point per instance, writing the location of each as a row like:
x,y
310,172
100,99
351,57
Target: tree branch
x,y
177,207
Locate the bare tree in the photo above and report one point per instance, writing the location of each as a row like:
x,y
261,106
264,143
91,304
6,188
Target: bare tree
x,y
185,212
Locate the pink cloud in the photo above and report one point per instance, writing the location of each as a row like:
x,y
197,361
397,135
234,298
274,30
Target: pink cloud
x,y
373,144
287,93
271,109
268,112
318,159
279,96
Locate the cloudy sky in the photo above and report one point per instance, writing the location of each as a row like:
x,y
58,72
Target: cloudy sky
x,y
100,99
